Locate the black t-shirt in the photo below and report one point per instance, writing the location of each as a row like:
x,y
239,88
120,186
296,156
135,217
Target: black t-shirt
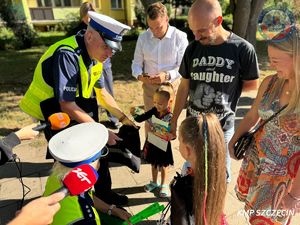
x,y
216,74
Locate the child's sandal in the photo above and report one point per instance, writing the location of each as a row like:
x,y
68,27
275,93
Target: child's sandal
x,y
151,186
164,191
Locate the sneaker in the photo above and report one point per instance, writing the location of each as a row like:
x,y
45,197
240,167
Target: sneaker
x,y
151,186
164,191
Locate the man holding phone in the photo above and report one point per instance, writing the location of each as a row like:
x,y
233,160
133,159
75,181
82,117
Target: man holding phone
x,y
158,53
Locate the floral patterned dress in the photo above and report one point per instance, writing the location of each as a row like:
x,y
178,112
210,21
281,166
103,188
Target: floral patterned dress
x,y
270,165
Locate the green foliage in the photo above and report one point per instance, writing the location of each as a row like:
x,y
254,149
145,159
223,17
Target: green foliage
x,y
131,35
169,9
49,38
24,34
225,4
177,3
6,38
140,14
70,23
279,3
121,61
15,19
227,22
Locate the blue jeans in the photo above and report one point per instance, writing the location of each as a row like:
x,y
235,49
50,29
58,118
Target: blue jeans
x,y
227,136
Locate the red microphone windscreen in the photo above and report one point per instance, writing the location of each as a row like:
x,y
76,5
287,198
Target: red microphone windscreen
x,y
59,120
80,179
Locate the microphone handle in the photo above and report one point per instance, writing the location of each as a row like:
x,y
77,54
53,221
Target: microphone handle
x,y
63,190
41,126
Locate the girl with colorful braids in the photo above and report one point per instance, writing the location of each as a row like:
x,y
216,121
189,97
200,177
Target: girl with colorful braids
x,y
201,142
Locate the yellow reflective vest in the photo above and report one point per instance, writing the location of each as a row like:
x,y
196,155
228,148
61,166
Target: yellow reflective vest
x,y
70,209
39,90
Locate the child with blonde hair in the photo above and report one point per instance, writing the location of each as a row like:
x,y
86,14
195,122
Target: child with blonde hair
x,y
198,196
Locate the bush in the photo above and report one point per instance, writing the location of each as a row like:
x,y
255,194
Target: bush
x,y
6,38
140,14
70,23
131,35
24,34
227,22
49,38
179,23
15,19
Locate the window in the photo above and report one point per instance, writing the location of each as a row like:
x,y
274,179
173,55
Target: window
x,y
116,4
58,3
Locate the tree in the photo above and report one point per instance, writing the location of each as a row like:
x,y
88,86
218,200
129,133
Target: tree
x,y
146,3
245,16
15,19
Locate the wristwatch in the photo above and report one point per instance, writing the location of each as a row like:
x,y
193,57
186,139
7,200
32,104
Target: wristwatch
x,y
167,76
109,211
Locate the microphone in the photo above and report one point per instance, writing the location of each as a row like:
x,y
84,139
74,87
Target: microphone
x,y
56,121
79,180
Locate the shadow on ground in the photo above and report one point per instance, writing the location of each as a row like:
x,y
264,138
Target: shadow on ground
x,y
10,170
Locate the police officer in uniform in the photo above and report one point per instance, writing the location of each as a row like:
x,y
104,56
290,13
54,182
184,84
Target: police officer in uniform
x,y
70,153
66,77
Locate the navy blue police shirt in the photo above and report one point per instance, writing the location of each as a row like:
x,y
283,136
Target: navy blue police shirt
x,y
62,71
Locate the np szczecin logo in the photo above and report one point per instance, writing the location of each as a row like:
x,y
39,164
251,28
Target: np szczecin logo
x,y
274,20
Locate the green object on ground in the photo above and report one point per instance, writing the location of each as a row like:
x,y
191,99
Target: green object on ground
x,y
145,213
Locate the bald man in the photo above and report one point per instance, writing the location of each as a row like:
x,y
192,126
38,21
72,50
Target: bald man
x,y
216,67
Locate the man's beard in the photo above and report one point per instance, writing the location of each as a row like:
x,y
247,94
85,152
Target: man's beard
x,y
209,40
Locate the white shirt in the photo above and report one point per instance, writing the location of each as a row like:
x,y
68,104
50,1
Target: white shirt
x,y
153,55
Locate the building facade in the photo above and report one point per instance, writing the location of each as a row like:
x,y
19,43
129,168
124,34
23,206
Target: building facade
x,y
41,13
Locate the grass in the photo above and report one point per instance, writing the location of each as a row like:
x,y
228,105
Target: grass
x,y
47,38
17,69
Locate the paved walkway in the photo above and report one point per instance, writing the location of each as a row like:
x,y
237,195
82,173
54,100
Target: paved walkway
x,y
35,171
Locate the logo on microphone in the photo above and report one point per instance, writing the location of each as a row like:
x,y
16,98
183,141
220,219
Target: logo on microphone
x,y
81,175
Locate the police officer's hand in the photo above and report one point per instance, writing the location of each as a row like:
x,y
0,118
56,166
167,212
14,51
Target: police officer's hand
x,y
127,121
122,214
113,138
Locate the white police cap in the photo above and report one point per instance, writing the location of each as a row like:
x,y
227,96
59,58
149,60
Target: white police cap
x,y
79,144
110,29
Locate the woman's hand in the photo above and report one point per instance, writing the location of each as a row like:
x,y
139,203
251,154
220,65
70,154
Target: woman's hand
x,y
27,133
